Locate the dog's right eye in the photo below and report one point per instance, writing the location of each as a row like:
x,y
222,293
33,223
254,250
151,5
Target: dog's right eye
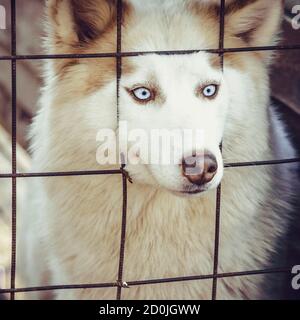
x,y
142,94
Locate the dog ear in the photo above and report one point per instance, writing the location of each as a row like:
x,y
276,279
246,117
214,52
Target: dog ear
x,y
71,22
255,22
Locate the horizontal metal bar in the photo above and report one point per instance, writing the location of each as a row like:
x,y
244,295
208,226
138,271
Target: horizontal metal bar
x,y
210,276
262,48
139,53
261,163
108,172
60,174
60,287
147,282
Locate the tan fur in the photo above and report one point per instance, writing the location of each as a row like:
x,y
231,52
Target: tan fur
x,y
66,40
76,220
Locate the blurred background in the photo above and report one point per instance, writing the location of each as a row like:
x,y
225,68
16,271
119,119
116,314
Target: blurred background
x,y
285,92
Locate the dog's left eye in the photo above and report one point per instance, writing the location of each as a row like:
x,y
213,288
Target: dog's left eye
x,y
210,91
142,94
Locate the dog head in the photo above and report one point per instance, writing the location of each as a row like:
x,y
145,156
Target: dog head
x,y
194,99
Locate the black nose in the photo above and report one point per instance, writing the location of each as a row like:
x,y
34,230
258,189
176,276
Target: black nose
x,y
200,169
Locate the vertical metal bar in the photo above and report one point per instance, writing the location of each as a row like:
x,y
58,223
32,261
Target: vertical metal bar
x,y
13,146
217,243
219,190
222,31
120,281
118,52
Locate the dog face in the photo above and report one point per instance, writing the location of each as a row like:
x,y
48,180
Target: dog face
x,y
180,99
190,98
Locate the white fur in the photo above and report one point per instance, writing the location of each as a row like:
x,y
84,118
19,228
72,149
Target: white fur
x,y
72,225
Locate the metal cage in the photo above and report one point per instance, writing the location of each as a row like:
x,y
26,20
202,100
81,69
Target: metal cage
x,y
120,284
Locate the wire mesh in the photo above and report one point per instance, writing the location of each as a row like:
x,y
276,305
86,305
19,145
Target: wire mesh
x,y
120,284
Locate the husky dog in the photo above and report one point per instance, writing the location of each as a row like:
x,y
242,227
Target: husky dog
x,y
70,230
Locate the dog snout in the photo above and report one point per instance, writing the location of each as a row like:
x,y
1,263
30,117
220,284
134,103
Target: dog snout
x,y
200,169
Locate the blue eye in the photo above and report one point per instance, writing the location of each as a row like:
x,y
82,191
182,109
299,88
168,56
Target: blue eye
x,y
210,90
142,94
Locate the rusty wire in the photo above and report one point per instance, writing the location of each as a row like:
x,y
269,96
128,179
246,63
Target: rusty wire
x,y
14,175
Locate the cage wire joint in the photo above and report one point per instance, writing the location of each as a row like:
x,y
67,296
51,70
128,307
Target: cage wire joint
x,y
124,172
122,284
